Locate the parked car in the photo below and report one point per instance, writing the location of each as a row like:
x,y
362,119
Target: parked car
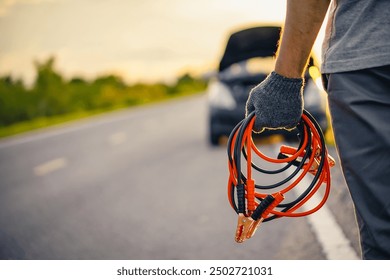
x,y
248,58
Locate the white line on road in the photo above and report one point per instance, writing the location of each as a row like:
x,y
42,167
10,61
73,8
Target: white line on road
x,y
90,122
329,234
50,166
117,138
70,127
335,244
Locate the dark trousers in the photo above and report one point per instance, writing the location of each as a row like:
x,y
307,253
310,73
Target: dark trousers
x,y
359,102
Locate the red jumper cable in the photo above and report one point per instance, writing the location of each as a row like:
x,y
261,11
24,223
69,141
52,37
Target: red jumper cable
x,y
256,203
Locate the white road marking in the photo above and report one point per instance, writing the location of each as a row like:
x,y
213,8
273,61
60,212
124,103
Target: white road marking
x,y
65,128
335,244
329,234
50,166
117,138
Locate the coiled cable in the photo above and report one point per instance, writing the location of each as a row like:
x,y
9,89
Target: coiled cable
x,y
262,202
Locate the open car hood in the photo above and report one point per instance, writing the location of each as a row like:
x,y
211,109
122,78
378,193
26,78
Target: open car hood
x,y
250,43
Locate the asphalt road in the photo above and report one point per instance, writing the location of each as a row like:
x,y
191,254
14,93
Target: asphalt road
x,y
139,184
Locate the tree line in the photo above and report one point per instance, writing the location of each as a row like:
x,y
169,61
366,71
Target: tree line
x,y
51,94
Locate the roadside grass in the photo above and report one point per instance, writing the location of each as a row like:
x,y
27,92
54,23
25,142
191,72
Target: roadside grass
x,y
43,122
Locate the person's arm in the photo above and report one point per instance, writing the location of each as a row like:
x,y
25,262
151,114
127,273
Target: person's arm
x,y
302,24
278,100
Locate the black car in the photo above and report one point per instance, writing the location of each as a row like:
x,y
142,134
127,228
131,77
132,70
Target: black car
x,y
248,58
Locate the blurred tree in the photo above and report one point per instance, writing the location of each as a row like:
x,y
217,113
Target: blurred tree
x,y
52,95
188,84
49,90
14,101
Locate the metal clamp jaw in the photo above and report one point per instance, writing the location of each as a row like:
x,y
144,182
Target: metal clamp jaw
x,y
247,225
286,150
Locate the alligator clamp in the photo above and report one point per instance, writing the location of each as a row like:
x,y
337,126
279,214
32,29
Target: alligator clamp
x,y
247,225
286,151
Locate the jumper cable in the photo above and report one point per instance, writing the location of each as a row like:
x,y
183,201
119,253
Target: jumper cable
x,y
255,203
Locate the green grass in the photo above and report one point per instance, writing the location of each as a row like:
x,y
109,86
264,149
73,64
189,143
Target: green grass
x,y
43,122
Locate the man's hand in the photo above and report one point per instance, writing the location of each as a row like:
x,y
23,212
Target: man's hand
x,y
277,102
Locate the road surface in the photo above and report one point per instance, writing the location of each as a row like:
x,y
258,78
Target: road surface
x,y
143,184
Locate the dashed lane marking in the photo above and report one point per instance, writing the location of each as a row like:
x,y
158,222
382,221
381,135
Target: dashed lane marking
x,y
117,138
50,166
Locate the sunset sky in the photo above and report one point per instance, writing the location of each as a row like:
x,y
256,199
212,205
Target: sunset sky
x,y
141,40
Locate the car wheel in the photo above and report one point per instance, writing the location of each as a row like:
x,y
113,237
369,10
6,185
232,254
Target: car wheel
x,y
214,139
213,136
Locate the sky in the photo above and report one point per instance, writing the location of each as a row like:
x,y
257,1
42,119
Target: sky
x,y
140,40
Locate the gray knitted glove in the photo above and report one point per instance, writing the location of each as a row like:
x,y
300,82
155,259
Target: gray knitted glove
x,y
277,102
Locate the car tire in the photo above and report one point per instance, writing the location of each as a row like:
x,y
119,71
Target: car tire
x,y
213,136
213,139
